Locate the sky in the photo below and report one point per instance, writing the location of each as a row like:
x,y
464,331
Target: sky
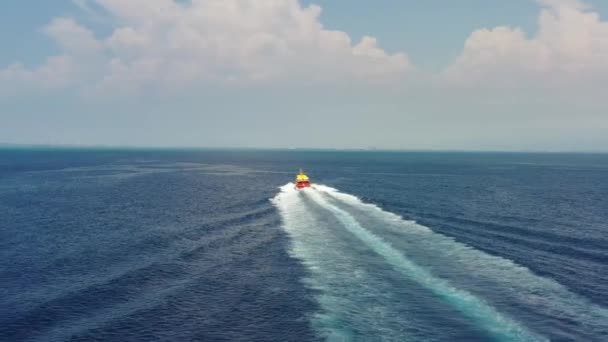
x,y
520,75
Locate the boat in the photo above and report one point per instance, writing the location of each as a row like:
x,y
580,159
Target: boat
x,y
302,180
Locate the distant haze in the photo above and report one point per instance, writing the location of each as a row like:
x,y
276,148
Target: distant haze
x,y
527,75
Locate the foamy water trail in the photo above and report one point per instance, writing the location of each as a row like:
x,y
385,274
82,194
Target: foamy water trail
x,y
300,224
341,281
333,234
500,326
545,300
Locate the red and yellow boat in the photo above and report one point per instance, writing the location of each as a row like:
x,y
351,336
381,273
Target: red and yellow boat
x,y
302,180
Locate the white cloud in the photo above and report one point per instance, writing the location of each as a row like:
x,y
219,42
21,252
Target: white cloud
x,y
80,54
170,44
165,43
56,72
571,46
72,37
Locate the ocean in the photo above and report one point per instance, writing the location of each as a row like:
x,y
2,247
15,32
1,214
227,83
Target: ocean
x,y
216,245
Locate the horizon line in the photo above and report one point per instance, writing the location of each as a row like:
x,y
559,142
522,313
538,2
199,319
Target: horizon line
x,y
294,149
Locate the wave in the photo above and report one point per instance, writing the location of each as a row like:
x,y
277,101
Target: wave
x,y
159,266
589,247
493,293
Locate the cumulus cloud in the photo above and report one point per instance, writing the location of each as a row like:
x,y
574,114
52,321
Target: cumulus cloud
x,y
71,37
166,43
55,72
174,44
571,45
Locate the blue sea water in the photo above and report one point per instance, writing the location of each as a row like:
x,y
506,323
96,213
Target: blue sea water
x,y
216,245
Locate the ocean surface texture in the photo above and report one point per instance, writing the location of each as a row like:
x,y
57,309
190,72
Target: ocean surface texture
x,y
201,245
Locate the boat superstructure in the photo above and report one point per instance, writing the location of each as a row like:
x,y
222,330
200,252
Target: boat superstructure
x,y
302,180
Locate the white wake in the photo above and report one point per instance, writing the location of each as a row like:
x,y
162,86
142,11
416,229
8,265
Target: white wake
x,y
325,254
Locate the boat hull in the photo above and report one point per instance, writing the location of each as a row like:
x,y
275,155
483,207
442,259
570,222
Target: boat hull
x,y
302,185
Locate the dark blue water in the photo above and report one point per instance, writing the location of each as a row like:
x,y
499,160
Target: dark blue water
x,y
145,245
